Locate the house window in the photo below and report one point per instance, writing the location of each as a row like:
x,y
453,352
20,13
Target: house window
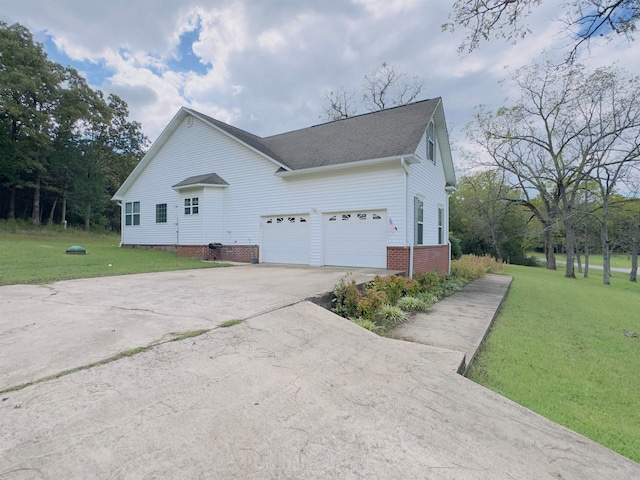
x,y
431,142
440,226
161,213
132,213
191,206
419,220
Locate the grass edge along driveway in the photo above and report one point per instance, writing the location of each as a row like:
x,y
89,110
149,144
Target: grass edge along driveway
x,y
38,256
564,349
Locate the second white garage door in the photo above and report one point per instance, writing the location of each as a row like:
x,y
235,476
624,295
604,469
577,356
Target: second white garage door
x,y
355,239
285,239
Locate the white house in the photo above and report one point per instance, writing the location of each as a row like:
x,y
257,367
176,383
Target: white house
x,y
365,191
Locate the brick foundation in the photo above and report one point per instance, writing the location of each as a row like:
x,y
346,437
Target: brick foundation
x,y
227,253
162,248
427,258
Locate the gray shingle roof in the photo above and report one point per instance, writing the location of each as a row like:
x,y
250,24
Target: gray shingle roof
x,y
388,133
206,179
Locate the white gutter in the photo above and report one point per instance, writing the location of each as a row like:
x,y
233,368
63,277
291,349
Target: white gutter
x,y
342,166
406,225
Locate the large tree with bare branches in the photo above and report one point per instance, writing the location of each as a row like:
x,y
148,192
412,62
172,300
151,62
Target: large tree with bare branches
x,y
582,21
385,87
565,127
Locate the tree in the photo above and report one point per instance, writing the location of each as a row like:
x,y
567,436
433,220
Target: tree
x,y
583,20
59,138
388,86
28,83
565,124
339,104
485,217
385,87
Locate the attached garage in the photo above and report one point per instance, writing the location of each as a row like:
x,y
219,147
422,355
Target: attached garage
x,y
285,239
355,239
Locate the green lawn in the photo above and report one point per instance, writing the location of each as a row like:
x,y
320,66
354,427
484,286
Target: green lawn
x,y
558,347
38,256
618,260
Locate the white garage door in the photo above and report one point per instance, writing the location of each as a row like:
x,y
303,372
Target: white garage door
x,y
355,239
285,239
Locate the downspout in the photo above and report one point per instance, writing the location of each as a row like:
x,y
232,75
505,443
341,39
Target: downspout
x,y
121,225
407,219
449,191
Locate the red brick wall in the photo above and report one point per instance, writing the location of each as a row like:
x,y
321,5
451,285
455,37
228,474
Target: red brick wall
x,y
431,258
231,253
398,258
427,258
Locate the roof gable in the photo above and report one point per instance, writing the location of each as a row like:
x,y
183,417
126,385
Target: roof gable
x,y
384,135
206,180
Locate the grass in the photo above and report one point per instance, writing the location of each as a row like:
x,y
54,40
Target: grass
x,y
618,260
38,256
559,347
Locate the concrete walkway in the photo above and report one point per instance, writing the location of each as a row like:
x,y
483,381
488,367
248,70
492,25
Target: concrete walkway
x,y
459,322
290,392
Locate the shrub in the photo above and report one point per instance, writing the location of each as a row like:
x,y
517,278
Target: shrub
x,y
346,296
456,248
368,324
526,260
411,304
394,287
472,267
428,298
388,316
428,280
369,301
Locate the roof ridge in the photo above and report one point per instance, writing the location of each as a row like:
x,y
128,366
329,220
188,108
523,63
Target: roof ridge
x,y
360,115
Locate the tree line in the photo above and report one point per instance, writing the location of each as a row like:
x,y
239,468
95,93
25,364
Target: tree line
x,y
562,157
64,147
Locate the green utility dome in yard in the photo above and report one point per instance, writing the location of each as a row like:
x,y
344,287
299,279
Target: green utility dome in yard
x,y
77,250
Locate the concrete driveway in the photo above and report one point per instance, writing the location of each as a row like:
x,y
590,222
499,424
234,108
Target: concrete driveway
x,y
46,329
292,392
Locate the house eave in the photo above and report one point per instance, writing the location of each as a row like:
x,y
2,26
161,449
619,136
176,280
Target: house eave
x,y
177,188
343,166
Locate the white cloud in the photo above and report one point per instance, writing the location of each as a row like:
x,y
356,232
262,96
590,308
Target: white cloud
x,y
270,63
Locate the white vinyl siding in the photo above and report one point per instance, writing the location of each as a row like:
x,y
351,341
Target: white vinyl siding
x,y
427,182
232,215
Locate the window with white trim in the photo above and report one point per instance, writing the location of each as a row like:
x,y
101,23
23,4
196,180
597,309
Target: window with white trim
x,y
440,226
191,206
431,142
161,213
132,213
418,208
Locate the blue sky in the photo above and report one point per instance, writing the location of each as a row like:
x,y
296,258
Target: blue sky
x,y
265,65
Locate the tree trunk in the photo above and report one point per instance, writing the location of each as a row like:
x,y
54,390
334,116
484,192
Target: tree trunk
x,y
586,260
579,260
635,246
87,218
606,255
35,213
548,248
53,210
63,220
570,236
11,215
633,276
